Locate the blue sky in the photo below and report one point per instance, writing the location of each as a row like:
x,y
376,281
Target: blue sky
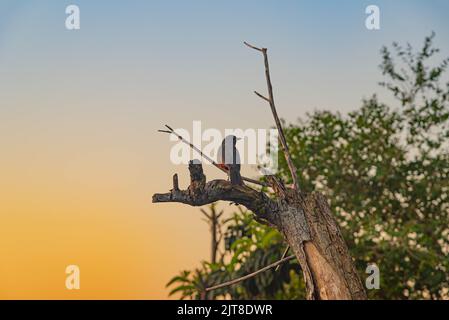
x,y
315,45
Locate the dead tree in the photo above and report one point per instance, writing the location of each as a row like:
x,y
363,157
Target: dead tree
x,y
304,219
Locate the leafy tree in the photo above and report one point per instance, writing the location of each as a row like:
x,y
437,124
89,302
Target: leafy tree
x,y
386,173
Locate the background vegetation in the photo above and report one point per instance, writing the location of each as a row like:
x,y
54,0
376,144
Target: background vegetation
x,y
386,173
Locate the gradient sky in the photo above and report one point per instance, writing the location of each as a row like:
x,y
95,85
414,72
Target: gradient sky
x,y
80,155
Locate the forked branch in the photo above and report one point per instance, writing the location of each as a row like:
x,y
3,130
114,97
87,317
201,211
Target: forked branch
x,y
270,100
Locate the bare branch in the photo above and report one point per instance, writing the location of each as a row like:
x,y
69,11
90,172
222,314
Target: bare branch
x,y
212,191
220,237
206,214
175,182
270,100
200,193
253,47
283,256
261,96
251,275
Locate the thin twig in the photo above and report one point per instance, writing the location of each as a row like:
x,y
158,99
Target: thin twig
x,y
283,256
261,96
252,47
171,131
270,100
206,214
251,275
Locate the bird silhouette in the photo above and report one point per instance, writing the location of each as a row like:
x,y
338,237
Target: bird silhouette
x,y
228,158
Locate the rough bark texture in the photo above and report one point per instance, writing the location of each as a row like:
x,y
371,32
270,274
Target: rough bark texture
x,y
305,220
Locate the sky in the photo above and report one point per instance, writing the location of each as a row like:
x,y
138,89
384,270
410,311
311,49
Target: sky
x,y
79,113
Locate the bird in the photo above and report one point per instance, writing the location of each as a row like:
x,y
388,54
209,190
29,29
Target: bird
x,y
228,158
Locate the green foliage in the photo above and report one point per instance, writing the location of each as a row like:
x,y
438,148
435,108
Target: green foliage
x,y
423,98
249,247
386,173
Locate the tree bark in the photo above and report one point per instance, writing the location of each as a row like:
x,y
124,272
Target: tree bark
x,y
304,219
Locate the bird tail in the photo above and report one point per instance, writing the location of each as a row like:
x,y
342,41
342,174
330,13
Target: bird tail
x,y
235,177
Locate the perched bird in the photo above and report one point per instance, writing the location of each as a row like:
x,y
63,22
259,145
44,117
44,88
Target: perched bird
x,y
228,158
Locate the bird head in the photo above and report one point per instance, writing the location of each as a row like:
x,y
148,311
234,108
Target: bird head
x,y
231,139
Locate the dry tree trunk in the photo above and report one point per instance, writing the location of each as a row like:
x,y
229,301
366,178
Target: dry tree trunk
x,y
304,219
